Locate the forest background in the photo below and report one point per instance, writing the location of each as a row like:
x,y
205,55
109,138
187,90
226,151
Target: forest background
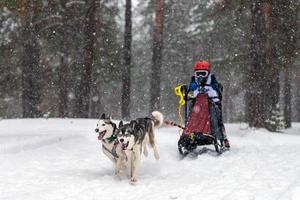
x,y
66,58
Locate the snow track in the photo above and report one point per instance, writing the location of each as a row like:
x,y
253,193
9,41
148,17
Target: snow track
x,y
19,143
61,159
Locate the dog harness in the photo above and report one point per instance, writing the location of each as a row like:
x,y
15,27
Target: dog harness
x,y
113,151
112,138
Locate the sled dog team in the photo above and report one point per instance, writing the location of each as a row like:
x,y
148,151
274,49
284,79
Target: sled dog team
x,y
124,144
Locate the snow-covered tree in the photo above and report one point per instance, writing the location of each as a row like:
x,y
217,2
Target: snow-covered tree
x,y
276,121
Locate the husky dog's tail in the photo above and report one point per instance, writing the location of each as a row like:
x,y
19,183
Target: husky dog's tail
x,y
157,118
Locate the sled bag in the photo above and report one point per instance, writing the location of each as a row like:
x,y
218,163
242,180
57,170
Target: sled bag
x,y
199,120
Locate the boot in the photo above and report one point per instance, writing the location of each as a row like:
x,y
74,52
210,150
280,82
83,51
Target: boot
x,y
226,143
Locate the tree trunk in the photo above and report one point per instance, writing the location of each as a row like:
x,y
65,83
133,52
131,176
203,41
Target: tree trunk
x,y
271,70
287,35
298,95
96,107
262,75
83,92
287,111
253,97
30,62
157,55
127,62
226,99
63,68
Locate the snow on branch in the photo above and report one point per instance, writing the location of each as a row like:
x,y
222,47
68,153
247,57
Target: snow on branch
x,y
47,22
72,3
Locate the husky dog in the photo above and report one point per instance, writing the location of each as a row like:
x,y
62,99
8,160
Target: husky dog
x,y
107,131
134,138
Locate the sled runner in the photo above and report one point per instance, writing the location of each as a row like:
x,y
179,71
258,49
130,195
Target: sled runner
x,y
202,126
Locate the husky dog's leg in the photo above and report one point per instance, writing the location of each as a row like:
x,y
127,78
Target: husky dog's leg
x,y
136,157
157,121
119,165
129,163
153,142
123,162
120,161
145,149
117,169
156,155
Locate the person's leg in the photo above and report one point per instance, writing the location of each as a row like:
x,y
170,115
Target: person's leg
x,y
215,120
226,141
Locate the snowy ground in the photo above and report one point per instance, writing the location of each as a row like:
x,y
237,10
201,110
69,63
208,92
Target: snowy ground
x,y
61,159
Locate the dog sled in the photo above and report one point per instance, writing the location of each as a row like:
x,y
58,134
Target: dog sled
x,y
202,127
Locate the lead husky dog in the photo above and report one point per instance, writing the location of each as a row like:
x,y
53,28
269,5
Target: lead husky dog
x,y
107,131
134,138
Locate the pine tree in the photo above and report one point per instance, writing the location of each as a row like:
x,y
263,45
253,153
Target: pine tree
x,y
287,13
178,52
31,71
141,59
127,62
106,76
83,92
276,121
155,89
63,77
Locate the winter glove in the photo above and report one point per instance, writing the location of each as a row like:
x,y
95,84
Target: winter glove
x,y
193,86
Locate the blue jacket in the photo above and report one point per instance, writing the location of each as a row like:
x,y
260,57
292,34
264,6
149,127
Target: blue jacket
x,y
211,87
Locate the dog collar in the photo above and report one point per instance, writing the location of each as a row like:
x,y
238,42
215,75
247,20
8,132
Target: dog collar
x,y
112,138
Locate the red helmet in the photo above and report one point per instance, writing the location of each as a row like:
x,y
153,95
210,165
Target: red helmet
x,y
202,64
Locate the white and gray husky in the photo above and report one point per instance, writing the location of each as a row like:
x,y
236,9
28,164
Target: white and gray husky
x,y
134,138
107,131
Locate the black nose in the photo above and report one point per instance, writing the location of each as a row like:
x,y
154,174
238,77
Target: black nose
x,y
97,130
121,140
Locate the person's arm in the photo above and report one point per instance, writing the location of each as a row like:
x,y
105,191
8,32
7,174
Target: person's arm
x,y
193,87
218,87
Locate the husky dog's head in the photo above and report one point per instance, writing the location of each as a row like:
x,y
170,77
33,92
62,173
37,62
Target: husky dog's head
x,y
126,135
105,127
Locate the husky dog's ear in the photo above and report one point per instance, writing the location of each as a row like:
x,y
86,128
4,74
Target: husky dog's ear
x,y
102,116
120,124
133,124
114,126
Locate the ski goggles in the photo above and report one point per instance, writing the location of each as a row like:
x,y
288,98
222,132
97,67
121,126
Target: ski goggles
x,y
201,73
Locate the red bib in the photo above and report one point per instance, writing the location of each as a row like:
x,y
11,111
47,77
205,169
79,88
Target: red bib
x,y
199,120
